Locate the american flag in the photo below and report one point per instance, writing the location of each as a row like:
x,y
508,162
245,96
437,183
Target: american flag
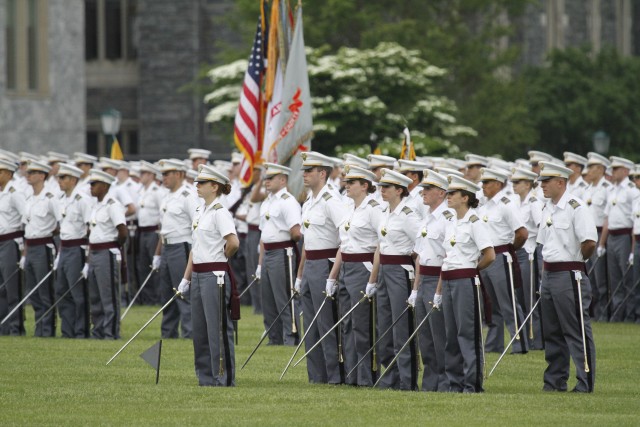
x,y
248,121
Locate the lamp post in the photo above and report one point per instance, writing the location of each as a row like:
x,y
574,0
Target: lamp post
x,y
110,120
601,142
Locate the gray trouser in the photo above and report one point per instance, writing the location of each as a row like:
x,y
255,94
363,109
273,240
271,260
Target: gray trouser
x,y
531,286
432,337
276,291
39,262
322,363
563,332
74,308
599,278
147,244
463,356
395,279
497,281
634,297
212,350
251,263
172,266
104,291
618,250
356,329
11,293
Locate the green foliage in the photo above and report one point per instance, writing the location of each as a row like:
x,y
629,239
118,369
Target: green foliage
x,y
55,381
578,95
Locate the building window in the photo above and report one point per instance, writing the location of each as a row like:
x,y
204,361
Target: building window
x,y
27,47
110,30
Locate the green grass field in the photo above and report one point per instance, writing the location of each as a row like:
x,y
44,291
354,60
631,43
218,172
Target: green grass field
x,y
65,382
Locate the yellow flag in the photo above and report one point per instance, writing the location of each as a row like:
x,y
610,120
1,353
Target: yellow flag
x,y
116,152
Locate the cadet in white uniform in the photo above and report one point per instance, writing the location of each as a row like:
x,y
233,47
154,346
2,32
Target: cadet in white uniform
x,y
576,184
12,204
414,171
41,216
469,249
568,235
214,298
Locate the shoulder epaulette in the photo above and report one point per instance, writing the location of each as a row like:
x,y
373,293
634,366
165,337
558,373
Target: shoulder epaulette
x,y
326,196
631,185
217,206
605,184
185,193
285,196
505,200
448,215
111,201
78,196
12,190
582,184
407,210
330,186
532,199
574,204
473,218
373,203
385,209
49,195
155,188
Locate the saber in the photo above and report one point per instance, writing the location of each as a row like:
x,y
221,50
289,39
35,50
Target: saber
x,y
514,338
374,313
631,291
173,298
35,288
9,278
479,298
60,299
411,337
373,348
294,329
531,292
137,293
307,329
513,293
593,266
221,310
331,330
624,276
266,333
578,276
255,279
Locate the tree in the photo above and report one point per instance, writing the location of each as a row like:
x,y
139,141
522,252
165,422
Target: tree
x,y
362,97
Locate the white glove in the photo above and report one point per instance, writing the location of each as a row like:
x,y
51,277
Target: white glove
x,y
21,262
331,287
631,258
155,264
370,290
412,298
85,271
258,272
437,301
600,251
55,262
183,287
298,285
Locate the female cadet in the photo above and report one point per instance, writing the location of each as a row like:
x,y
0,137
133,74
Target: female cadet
x,y
530,209
359,239
468,249
212,286
397,234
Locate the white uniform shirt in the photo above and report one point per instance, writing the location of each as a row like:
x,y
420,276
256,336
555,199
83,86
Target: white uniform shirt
x,y
253,212
430,240
278,213
464,239
177,212
620,197
210,226
415,202
41,215
578,188
596,198
398,231
105,217
636,216
500,214
75,211
563,228
12,204
321,217
84,186
530,211
359,230
121,195
149,199
52,185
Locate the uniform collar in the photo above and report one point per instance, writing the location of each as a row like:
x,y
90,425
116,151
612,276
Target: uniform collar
x,y
400,206
562,202
279,193
441,208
